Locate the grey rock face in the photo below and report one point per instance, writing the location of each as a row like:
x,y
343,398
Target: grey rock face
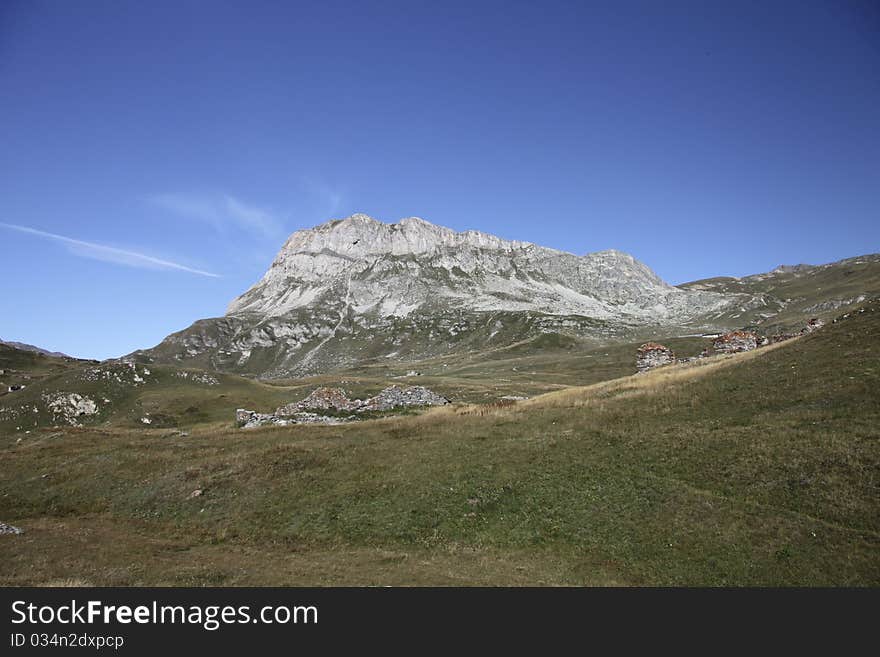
x,y
395,269
9,529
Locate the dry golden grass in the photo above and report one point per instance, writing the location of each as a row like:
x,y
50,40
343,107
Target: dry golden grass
x,y
647,383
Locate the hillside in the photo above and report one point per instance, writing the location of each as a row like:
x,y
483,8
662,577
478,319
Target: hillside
x,y
751,469
123,394
29,347
783,298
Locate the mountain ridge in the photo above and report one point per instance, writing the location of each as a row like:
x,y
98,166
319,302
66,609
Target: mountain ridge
x,y
506,274
357,290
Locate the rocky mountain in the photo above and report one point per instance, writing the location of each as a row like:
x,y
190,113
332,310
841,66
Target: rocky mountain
x,y
784,298
393,270
29,347
356,290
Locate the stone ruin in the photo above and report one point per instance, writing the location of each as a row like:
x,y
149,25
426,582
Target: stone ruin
x,y
251,419
322,399
308,411
736,341
651,355
395,396
812,325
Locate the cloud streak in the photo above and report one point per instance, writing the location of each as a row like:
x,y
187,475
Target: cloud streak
x,y
109,253
220,211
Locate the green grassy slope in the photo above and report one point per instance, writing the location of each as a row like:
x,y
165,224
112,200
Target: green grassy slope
x,y
759,468
168,396
20,367
788,297
531,367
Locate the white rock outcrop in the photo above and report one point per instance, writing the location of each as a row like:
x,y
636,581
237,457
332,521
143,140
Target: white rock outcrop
x,y
394,269
69,407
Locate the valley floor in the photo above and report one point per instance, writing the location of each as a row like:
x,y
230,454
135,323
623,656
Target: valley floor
x,y
755,469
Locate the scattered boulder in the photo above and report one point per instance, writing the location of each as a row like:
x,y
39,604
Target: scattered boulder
x,y
9,529
118,372
834,304
198,377
735,341
651,355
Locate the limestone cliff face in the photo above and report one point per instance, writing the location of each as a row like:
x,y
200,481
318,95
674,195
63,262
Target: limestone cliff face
x,y
395,269
356,289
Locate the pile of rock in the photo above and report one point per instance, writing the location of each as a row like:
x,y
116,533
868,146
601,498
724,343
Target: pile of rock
x,y
735,341
122,372
251,419
322,399
651,355
335,399
9,529
396,396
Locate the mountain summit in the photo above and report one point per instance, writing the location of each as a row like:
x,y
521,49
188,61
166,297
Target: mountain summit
x,y
356,288
395,269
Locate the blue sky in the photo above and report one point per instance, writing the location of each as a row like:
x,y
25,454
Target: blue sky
x,y
155,155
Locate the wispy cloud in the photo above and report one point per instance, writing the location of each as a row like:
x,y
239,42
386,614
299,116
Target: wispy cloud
x,y
220,211
109,253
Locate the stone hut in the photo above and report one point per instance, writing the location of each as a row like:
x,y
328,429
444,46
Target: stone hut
x,y
813,325
651,355
735,341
